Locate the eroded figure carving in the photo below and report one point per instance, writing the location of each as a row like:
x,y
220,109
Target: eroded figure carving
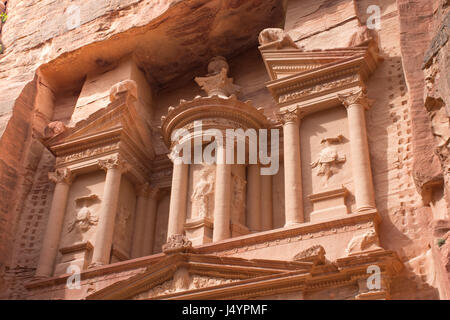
x,y
85,218
361,37
276,35
368,240
129,86
238,204
176,243
329,159
54,128
123,217
202,192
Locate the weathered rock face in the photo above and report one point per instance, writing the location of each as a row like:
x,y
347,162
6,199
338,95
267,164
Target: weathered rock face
x,y
79,70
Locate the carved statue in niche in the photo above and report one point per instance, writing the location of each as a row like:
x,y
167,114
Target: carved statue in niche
x,y
203,191
84,218
329,159
238,205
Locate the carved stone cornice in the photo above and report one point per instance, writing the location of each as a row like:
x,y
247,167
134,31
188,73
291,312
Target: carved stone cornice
x,y
62,175
357,97
115,162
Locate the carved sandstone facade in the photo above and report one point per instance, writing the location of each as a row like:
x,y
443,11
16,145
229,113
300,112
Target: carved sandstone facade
x,y
119,195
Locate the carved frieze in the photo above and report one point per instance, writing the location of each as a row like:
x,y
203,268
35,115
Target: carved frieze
x,y
87,153
299,93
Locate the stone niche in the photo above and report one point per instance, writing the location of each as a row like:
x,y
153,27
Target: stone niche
x,y
326,164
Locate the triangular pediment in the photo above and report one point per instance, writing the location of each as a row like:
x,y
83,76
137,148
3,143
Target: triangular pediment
x,y
182,273
285,63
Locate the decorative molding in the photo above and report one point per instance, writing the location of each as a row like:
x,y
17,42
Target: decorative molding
x,y
61,175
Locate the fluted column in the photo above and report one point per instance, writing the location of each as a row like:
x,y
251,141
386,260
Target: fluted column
x,y
114,168
266,203
253,198
63,178
222,198
356,102
150,222
139,220
178,195
292,168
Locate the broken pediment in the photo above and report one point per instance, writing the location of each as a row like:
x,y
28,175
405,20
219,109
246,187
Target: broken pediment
x,y
116,128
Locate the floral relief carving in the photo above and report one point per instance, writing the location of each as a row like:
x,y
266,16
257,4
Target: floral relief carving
x,y
113,163
329,159
357,97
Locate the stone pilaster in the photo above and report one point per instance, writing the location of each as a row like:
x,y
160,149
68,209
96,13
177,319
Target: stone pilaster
x,y
222,198
254,197
150,221
139,222
266,203
114,168
63,179
292,167
356,102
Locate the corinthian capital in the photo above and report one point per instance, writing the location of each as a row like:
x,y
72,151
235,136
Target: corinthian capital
x,y
357,97
113,163
63,175
288,116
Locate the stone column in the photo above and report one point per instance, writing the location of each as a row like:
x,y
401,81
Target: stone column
x,y
292,168
139,222
63,178
253,198
266,203
150,222
356,102
114,168
178,195
222,198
